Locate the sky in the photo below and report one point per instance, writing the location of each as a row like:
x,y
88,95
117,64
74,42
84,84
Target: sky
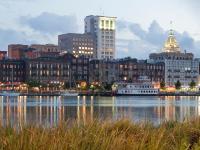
x,y
142,25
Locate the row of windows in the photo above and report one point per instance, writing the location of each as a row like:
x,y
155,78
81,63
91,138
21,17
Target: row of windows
x,y
83,44
106,57
82,39
53,50
107,53
79,77
107,23
136,66
107,32
107,41
39,65
85,48
14,73
142,91
7,79
105,46
11,66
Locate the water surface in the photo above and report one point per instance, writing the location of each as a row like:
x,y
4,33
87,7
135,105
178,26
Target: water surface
x,y
52,110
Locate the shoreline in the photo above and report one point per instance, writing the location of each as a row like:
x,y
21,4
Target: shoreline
x,y
109,94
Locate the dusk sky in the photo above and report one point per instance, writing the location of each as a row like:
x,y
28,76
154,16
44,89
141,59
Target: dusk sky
x,y
142,25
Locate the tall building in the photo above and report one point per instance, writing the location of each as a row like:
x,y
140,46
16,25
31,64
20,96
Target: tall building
x,y
102,28
179,66
78,44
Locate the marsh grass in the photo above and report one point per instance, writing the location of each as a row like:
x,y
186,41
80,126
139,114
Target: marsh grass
x,y
106,135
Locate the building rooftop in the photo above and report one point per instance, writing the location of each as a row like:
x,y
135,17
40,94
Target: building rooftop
x,y
171,44
100,16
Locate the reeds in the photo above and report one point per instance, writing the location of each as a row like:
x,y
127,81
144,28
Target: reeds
x,y
106,135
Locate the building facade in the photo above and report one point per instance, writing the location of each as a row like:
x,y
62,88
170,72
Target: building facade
x,y
12,71
78,44
132,69
3,55
61,69
178,66
104,71
102,28
16,51
127,69
38,50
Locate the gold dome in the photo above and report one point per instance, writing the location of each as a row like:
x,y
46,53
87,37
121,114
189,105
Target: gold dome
x,y
171,45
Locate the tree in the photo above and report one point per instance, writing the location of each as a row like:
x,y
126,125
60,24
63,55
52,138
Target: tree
x,y
130,80
66,85
178,85
107,86
33,83
162,85
192,84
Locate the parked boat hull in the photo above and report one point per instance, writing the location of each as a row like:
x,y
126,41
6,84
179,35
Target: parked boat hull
x,y
10,94
69,93
136,94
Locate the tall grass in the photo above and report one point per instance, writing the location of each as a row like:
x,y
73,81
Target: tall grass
x,y
106,135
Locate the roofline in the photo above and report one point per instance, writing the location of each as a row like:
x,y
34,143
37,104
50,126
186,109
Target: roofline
x,y
100,16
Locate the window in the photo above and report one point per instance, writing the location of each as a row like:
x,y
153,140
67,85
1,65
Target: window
x,y
111,24
107,23
102,23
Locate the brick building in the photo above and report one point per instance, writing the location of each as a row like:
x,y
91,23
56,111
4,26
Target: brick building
x,y
127,69
60,69
12,70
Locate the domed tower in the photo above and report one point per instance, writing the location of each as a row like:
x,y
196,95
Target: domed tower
x,y
171,45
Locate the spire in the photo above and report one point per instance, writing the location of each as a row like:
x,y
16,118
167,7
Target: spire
x,y
171,24
171,31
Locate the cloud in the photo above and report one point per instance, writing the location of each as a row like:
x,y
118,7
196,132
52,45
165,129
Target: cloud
x,y
134,48
41,29
151,40
11,36
186,41
49,23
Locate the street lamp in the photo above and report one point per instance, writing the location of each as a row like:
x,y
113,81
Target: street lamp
x,y
41,88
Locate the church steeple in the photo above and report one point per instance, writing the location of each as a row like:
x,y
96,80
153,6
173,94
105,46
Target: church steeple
x,y
171,45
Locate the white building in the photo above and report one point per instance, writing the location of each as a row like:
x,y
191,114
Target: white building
x,y
103,30
179,66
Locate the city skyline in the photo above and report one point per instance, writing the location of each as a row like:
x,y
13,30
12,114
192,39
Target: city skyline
x,y
138,34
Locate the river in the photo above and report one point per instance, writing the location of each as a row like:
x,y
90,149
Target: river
x,y
50,111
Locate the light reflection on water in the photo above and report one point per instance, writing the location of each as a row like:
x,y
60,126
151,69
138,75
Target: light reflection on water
x,y
53,110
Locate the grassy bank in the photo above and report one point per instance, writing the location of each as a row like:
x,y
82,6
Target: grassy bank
x,y
104,136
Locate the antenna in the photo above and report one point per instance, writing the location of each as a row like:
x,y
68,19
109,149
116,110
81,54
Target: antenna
x,y
171,25
101,11
171,28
